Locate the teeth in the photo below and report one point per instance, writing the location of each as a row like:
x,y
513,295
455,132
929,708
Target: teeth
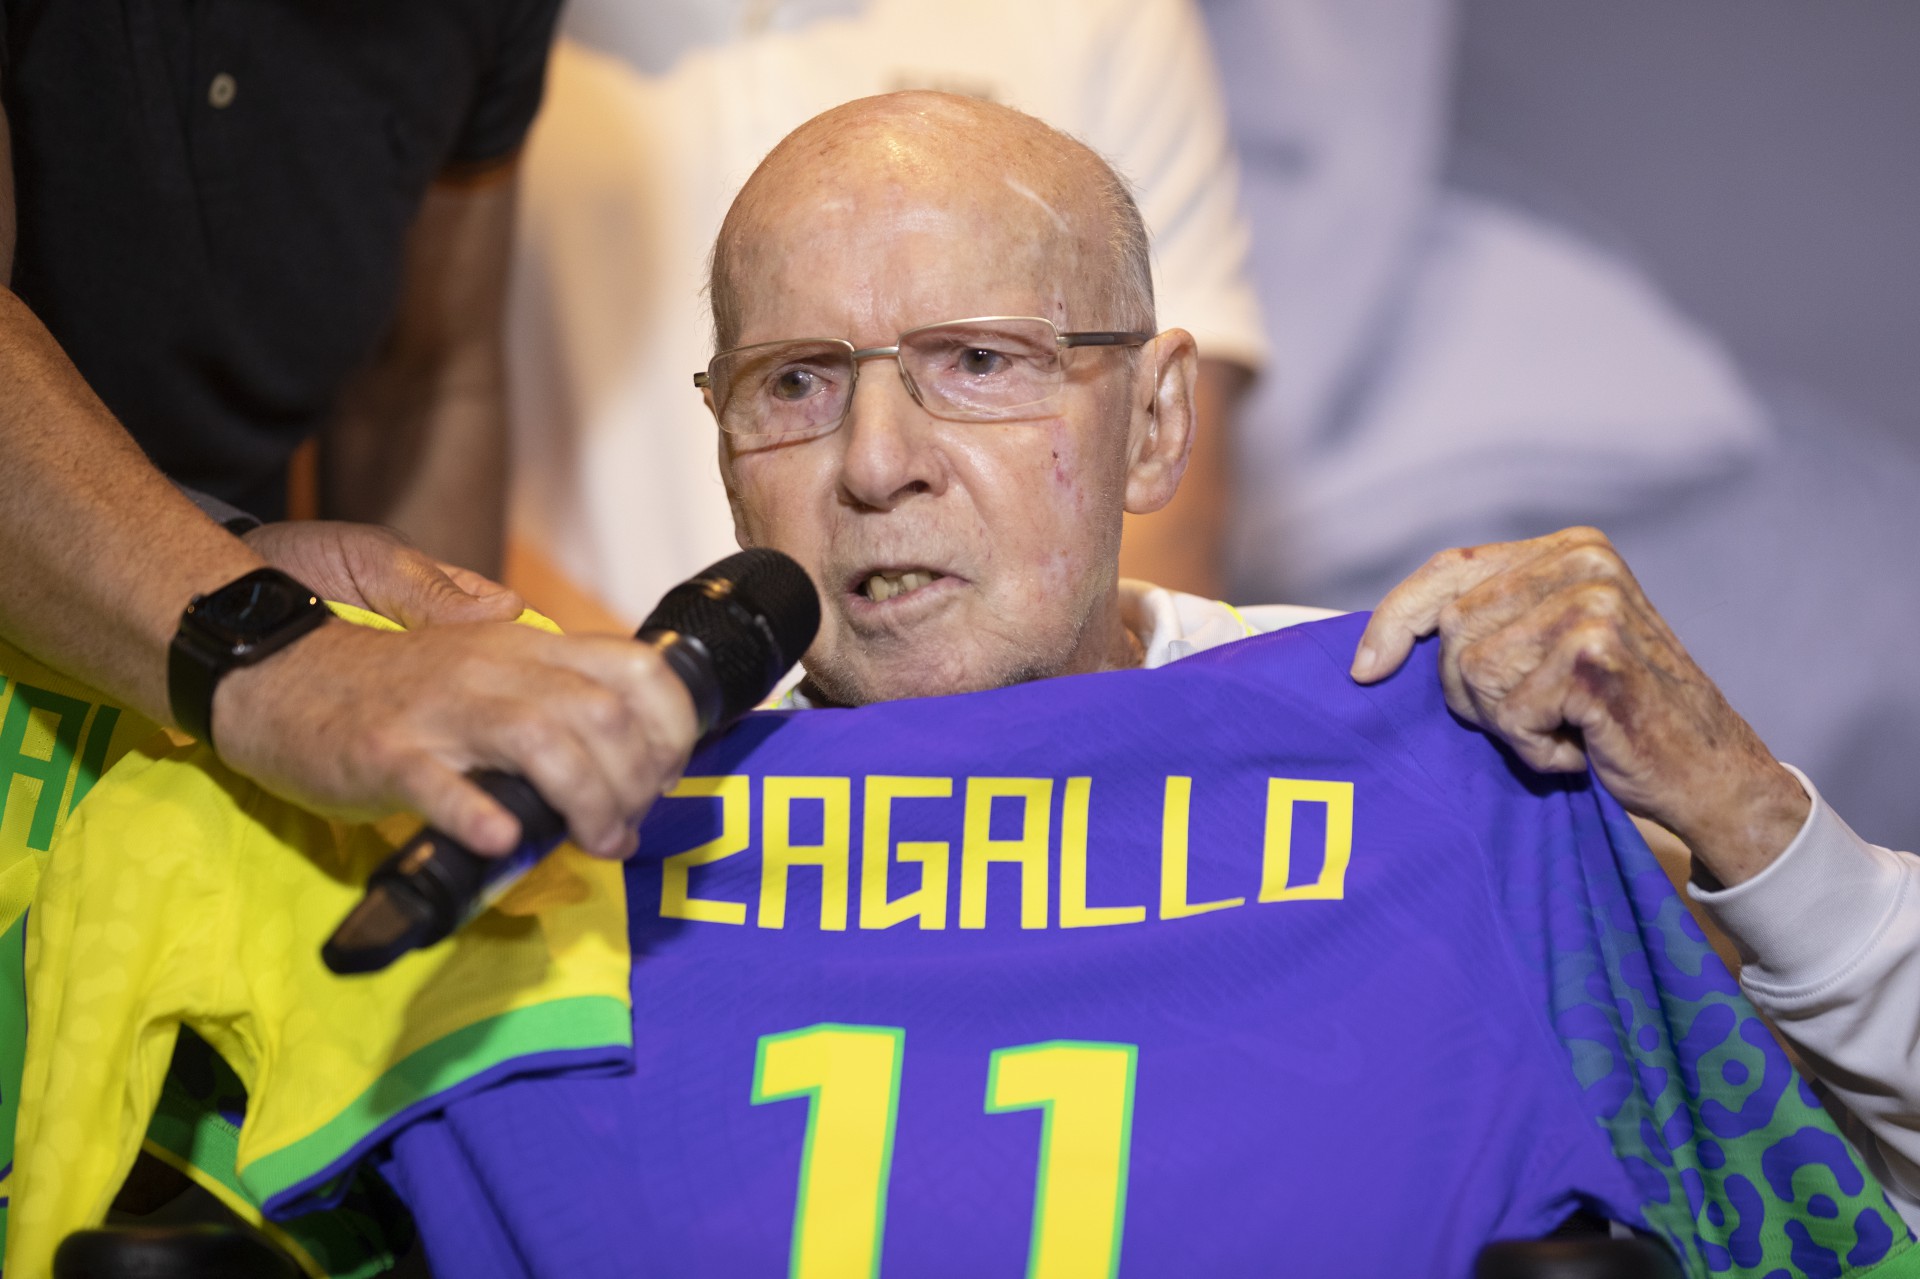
x,y
882,587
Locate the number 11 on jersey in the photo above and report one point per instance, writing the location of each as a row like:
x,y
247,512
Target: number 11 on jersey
x,y
851,1078
851,1074
1080,1194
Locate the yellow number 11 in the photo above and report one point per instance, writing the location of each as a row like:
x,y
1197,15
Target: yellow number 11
x,y
851,1075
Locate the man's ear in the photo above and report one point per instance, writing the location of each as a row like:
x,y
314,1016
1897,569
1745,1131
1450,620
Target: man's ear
x,y
1160,434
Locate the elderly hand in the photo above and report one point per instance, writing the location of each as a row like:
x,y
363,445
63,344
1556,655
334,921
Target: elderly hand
x,y
1551,646
379,570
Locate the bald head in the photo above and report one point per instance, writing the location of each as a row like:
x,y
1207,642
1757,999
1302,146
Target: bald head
x,y
961,538
941,150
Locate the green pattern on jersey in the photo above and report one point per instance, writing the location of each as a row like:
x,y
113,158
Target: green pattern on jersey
x,y
1742,1171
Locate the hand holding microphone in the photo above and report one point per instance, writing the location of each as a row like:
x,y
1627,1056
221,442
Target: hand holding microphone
x,y
728,633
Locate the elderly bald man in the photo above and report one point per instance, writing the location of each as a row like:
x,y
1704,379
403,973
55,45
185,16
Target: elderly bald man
x,y
939,386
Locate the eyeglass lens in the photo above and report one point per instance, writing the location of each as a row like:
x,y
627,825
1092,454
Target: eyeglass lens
x,y
976,371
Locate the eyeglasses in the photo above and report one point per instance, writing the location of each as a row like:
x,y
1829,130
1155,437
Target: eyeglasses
x,y
990,369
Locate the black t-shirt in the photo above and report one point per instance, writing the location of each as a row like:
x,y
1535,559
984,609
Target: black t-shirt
x,y
214,196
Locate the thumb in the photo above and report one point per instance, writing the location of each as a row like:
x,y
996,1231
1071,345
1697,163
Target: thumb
x,y
420,591
1412,610
400,581
501,602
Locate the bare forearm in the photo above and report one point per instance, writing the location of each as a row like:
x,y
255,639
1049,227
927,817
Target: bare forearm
x,y
427,458
421,439
98,552
1183,546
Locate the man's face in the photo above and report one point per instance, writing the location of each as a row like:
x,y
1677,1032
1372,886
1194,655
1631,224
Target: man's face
x,y
950,556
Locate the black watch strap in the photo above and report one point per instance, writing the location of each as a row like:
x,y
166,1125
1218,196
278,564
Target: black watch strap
x,y
244,622
191,679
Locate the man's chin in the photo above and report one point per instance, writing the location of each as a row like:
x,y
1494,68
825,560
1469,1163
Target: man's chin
x,y
938,675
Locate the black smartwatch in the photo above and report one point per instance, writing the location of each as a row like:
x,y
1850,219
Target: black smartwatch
x,y
247,620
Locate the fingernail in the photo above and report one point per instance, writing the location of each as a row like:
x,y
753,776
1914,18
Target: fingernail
x,y
1365,662
498,831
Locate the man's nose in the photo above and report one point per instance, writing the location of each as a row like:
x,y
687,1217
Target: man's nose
x,y
891,450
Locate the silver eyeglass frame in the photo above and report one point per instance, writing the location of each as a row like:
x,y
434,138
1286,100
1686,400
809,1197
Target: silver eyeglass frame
x,y
703,380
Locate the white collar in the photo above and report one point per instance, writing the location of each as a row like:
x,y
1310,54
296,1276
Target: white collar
x,y
1170,625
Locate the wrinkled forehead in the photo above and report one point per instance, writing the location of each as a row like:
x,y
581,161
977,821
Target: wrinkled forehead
x,y
863,243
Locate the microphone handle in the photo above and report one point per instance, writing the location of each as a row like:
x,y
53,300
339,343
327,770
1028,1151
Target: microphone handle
x,y
434,884
462,882
472,882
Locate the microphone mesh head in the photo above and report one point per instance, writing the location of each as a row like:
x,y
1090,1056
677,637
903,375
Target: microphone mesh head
x,y
754,612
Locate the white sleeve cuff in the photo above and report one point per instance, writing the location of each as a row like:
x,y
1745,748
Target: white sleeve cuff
x,y
1806,920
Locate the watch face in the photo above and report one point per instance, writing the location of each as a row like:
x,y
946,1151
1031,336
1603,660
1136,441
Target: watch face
x,y
257,605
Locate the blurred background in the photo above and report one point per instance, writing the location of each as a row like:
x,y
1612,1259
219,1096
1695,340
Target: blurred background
x,y
1466,270
1761,157
1761,160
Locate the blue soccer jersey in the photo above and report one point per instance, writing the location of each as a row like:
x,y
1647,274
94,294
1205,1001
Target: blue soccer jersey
x,y
1232,967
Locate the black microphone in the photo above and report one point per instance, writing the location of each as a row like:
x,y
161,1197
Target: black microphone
x,y
729,633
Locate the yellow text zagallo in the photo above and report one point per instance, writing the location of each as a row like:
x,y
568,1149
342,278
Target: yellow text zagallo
x,y
1007,841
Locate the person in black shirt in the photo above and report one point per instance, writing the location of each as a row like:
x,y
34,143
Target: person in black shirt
x,y
238,224
248,223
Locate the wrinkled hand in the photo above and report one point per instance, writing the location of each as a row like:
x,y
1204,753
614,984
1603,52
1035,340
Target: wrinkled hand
x,y
1551,646
379,570
358,723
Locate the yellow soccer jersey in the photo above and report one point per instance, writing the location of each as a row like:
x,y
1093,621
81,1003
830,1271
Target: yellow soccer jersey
x,y
57,736
148,917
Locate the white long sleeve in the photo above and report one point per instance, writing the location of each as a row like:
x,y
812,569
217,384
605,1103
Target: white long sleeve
x,y
1829,937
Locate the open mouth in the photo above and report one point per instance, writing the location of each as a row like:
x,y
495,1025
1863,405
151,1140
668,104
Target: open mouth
x,y
886,584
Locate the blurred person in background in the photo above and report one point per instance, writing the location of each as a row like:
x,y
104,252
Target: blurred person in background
x,y
1454,366
654,118
250,229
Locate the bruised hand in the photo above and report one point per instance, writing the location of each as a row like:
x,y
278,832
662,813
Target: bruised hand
x,y
1551,645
